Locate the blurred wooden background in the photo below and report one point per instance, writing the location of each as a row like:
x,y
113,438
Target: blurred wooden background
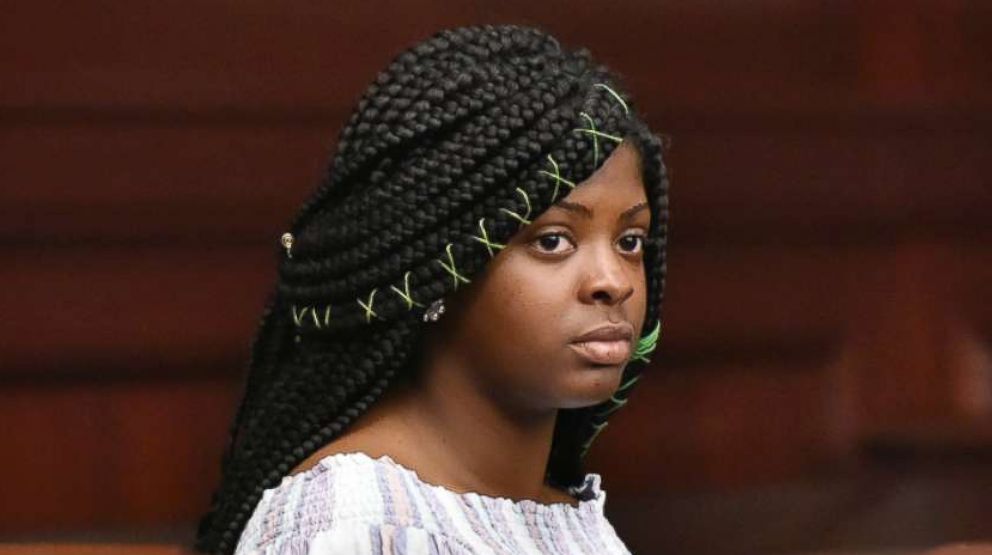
x,y
824,374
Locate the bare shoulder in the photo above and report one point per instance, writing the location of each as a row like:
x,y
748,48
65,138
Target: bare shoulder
x,y
332,448
371,440
377,432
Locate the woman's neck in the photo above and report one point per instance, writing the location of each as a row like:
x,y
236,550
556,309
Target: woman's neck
x,y
456,439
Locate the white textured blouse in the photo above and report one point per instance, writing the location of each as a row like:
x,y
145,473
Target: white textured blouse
x,y
351,503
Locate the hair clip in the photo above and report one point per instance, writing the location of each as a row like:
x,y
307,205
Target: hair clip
x,y
485,239
595,140
434,311
451,269
287,243
406,296
368,307
522,219
557,177
646,344
615,95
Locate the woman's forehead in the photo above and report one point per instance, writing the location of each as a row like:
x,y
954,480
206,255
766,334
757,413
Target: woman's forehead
x,y
616,186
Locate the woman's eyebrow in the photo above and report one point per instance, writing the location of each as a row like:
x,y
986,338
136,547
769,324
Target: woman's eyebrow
x,y
587,212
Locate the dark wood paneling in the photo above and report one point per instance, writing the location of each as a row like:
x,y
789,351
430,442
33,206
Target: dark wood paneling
x,y
225,182
145,181
768,54
92,313
828,275
830,184
720,427
782,115
91,455
921,346
871,513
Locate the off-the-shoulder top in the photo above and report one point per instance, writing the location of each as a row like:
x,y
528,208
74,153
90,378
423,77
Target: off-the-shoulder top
x,y
352,503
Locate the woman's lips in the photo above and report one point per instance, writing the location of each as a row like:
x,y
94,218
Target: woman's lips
x,y
604,352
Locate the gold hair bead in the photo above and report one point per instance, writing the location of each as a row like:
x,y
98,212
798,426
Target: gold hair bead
x,y
287,243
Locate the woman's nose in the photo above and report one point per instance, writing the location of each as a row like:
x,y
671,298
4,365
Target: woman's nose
x,y
607,278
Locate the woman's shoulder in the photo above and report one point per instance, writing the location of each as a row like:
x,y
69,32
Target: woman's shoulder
x,y
346,493
341,487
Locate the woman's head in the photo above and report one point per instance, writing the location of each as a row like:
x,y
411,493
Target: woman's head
x,y
577,267
462,175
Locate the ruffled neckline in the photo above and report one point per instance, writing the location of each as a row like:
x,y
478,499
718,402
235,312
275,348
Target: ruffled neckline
x,y
590,494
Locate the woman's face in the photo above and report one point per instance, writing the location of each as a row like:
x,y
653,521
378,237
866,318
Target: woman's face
x,y
577,267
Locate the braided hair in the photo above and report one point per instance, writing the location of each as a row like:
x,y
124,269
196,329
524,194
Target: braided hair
x,y
452,149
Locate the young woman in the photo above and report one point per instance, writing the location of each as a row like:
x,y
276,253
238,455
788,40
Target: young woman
x,y
468,296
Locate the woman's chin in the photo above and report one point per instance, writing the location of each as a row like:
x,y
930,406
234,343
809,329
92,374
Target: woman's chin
x,y
591,385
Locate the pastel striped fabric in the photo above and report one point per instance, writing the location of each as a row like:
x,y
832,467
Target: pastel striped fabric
x,y
351,503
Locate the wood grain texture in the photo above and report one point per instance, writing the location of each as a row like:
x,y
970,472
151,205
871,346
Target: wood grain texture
x,y
113,454
828,273
152,311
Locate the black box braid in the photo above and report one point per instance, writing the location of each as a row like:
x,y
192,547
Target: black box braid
x,y
461,141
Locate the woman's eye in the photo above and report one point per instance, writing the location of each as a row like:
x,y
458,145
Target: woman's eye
x,y
637,245
550,241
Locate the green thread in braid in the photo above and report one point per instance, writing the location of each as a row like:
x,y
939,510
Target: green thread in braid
x,y
485,239
646,344
600,134
368,307
615,95
629,383
406,296
595,140
620,402
557,177
451,268
597,429
523,219
617,403
298,317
